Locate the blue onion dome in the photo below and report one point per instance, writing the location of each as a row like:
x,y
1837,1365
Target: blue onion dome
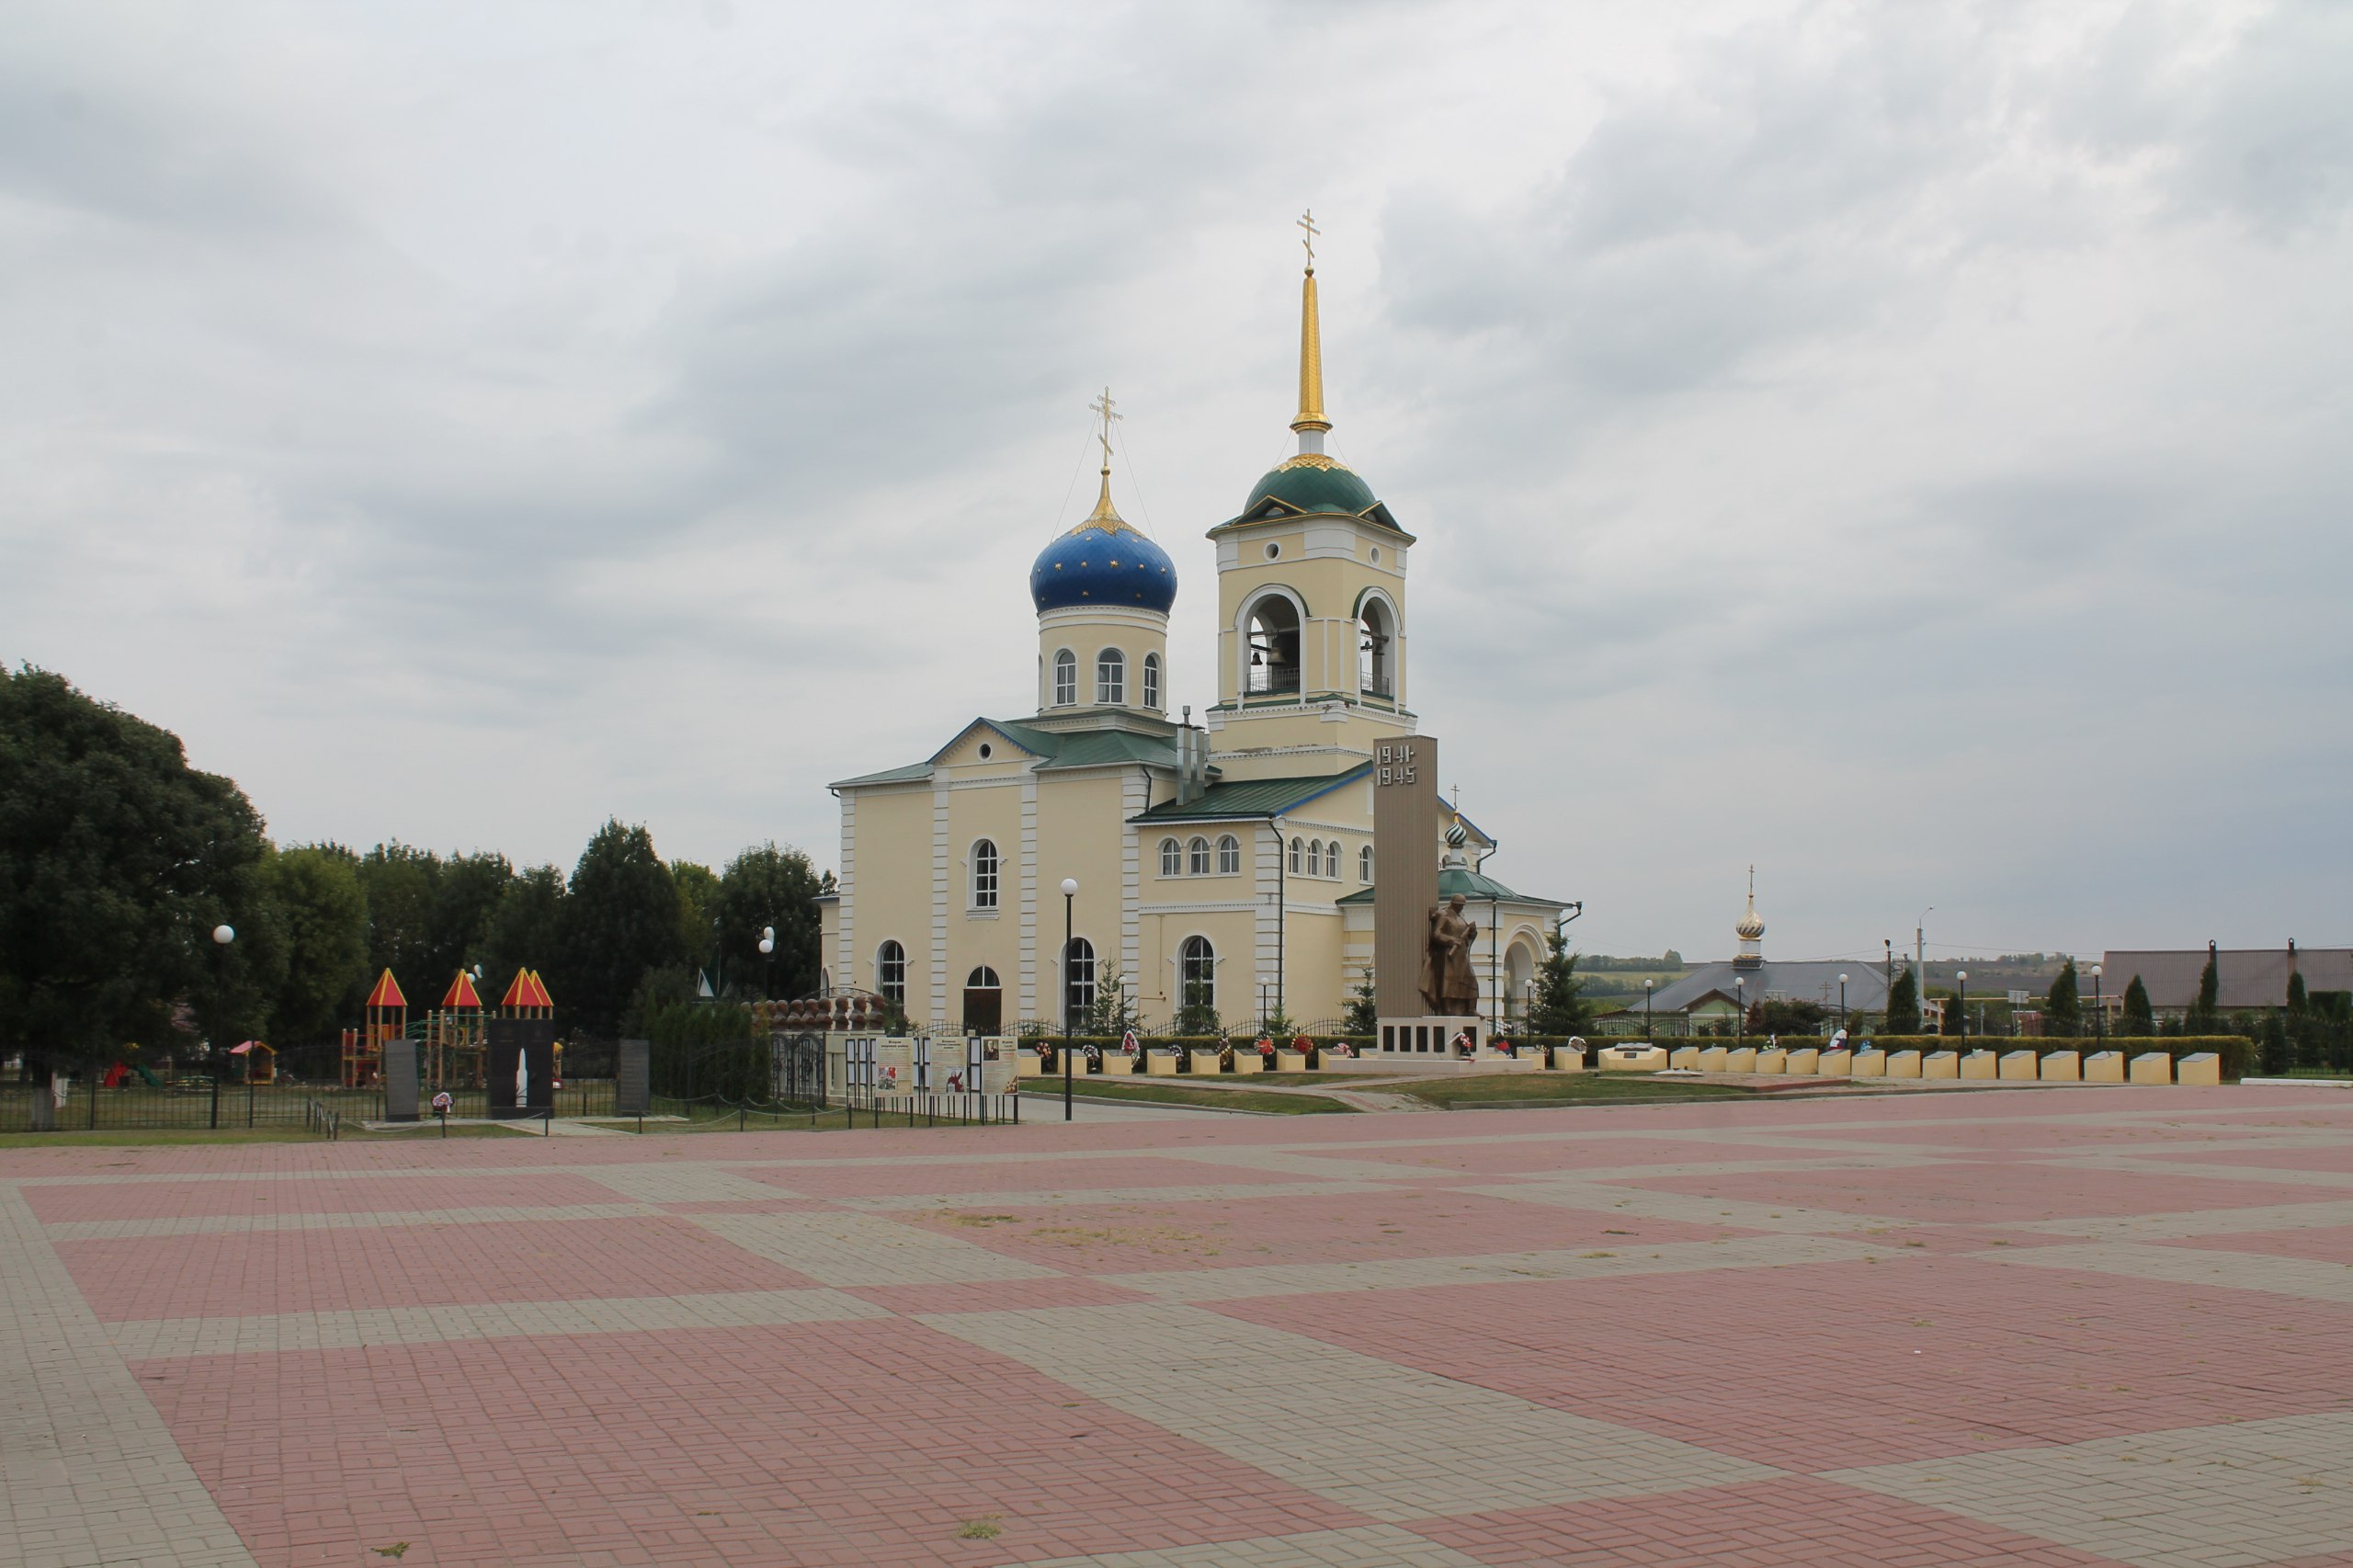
x,y
1311,483
1104,561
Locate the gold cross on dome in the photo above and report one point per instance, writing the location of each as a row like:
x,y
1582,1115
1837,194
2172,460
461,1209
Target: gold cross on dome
x,y
1105,411
1307,222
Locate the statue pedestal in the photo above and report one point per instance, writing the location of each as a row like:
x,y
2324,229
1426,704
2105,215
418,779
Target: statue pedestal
x,y
1426,1037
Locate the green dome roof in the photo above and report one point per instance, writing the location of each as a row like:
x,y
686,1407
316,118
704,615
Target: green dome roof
x,y
1312,488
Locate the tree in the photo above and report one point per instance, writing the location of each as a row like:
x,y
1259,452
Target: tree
x,y
399,881
698,907
1793,1016
619,918
2202,1017
1113,1012
2298,998
2139,1023
1363,1015
1559,1005
525,931
1904,1004
323,911
773,886
2063,1009
466,897
117,860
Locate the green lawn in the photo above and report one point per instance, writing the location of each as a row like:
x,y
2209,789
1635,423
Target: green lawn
x,y
1163,1091
1561,1089
191,1137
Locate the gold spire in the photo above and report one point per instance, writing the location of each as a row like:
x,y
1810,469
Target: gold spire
x,y
1311,342
1105,515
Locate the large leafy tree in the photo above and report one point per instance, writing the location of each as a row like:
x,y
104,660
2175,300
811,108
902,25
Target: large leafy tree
x,y
698,908
619,918
526,931
771,886
323,912
1559,1006
466,897
399,881
2063,1009
117,860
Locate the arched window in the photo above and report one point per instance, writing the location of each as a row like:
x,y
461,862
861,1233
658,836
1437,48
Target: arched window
x,y
1364,865
1111,677
985,867
891,972
1078,982
1294,856
1196,973
1376,656
1065,678
1228,855
1171,859
1274,647
1197,857
982,979
1151,681
1314,857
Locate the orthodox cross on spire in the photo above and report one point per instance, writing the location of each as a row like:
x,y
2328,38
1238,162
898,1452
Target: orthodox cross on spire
x,y
1104,411
1311,423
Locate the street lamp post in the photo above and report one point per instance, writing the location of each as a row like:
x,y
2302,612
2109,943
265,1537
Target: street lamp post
x,y
2099,1010
1650,1012
767,963
1842,1004
223,935
1961,976
1740,1008
1069,895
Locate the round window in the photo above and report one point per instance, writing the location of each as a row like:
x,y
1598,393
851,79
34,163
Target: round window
x,y
985,750
1273,551
1376,555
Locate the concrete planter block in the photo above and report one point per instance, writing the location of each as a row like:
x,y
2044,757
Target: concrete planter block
x,y
1941,1065
1248,1061
1835,1065
1741,1059
1772,1058
1567,1061
1868,1065
2104,1067
1290,1061
1118,1064
1712,1059
1980,1065
1803,1062
2152,1067
2203,1068
1026,1063
1903,1063
2019,1067
1632,1058
2062,1067
1158,1065
1683,1056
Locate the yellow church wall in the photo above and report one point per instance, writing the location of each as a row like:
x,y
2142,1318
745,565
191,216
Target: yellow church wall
x,y
889,894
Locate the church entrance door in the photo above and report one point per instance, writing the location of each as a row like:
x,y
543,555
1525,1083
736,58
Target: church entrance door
x,y
983,1002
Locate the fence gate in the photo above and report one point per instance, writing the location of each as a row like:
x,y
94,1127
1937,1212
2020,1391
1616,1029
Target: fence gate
x,y
797,1067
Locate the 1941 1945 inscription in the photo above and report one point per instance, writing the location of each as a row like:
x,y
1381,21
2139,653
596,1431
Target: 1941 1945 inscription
x,y
1395,764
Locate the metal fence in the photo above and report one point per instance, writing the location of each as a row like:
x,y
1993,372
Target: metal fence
x,y
212,1104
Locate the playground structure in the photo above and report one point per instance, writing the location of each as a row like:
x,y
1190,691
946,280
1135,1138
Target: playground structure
x,y
453,1039
386,1015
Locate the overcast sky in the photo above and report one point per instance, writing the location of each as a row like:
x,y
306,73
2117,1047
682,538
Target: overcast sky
x,y
1905,447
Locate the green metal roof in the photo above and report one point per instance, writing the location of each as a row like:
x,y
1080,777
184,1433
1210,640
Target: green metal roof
x,y
1252,798
913,773
1473,885
1082,748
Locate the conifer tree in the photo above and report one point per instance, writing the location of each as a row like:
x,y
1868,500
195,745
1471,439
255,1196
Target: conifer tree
x,y
2062,1010
1904,1004
1559,1006
2139,1023
2209,990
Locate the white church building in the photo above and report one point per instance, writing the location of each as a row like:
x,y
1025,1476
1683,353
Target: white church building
x,y
1222,868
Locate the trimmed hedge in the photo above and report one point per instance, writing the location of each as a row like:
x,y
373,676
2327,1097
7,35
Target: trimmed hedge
x,y
2237,1052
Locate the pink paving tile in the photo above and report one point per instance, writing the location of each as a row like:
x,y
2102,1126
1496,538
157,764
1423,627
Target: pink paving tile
x,y
2331,1243
1979,1193
1763,1524
897,1179
2338,1159
1572,1153
199,1199
1820,1367
824,1445
1407,1221
302,1271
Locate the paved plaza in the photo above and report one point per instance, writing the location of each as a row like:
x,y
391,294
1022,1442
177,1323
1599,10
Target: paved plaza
x,y
2045,1326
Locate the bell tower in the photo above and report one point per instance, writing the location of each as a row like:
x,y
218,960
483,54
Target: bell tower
x,y
1311,628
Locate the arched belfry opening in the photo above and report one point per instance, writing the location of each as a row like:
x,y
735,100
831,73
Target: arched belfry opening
x,y
1376,651
1274,638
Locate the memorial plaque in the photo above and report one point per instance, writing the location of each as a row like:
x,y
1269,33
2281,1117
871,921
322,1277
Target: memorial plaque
x,y
400,1080
1405,883
633,1079
521,1069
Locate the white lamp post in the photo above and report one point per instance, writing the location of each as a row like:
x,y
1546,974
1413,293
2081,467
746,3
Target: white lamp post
x,y
1069,895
